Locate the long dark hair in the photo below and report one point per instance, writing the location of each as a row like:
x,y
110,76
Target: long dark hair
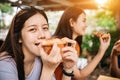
x,y
64,29
11,43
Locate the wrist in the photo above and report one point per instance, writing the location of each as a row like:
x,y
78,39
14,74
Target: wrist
x,y
115,53
68,72
48,70
102,50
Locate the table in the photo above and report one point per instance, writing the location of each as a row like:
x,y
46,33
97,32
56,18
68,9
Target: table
x,y
103,77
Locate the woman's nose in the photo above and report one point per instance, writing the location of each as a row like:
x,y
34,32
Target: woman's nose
x,y
41,35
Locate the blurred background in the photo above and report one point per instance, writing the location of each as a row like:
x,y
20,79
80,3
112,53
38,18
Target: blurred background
x,y
102,15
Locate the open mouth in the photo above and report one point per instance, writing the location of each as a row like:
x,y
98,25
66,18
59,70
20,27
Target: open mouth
x,y
37,44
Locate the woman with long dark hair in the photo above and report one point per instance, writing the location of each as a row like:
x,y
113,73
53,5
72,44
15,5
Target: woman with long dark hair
x,y
22,56
72,24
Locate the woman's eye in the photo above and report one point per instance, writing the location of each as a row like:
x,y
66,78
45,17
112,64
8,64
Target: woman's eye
x,y
33,29
46,28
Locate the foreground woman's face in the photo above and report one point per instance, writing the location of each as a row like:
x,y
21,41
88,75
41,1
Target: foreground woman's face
x,y
35,29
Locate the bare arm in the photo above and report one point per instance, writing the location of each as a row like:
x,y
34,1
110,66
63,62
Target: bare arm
x,y
46,74
114,69
70,59
85,72
50,62
88,69
64,77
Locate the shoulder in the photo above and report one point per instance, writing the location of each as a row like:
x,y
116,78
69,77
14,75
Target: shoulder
x,y
7,64
8,68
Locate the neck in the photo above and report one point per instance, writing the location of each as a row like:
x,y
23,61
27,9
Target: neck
x,y
28,65
29,59
74,36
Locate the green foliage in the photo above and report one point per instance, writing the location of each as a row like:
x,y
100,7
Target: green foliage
x,y
105,19
114,37
6,8
91,44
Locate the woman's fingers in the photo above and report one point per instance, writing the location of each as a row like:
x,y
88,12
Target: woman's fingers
x,y
69,57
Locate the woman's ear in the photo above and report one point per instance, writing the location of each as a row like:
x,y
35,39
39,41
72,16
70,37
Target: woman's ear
x,y
71,21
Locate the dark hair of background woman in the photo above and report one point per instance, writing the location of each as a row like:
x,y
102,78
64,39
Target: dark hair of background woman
x,y
64,29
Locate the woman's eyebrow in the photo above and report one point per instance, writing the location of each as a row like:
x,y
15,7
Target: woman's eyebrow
x,y
30,25
45,24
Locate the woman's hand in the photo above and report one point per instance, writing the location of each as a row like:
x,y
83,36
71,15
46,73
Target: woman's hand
x,y
52,60
116,48
104,42
69,56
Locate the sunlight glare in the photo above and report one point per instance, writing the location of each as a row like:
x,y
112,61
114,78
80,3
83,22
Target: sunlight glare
x,y
101,3
13,0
